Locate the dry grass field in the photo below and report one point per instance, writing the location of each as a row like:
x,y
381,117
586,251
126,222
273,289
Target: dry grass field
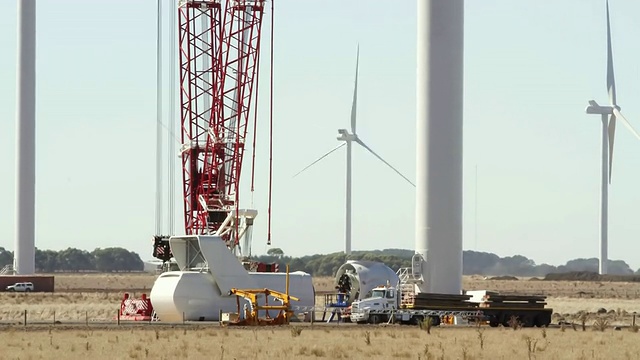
x,y
97,296
565,289
347,342
103,282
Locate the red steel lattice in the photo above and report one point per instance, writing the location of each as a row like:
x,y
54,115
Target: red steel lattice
x,y
214,136
199,77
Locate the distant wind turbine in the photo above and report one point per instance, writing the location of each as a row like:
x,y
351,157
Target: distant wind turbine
x,y
347,139
610,113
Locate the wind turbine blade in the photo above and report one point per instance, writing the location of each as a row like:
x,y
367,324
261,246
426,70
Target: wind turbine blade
x,y
320,158
612,135
383,160
611,82
355,95
626,122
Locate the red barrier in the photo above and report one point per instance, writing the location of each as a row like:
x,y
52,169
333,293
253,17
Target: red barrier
x,y
136,309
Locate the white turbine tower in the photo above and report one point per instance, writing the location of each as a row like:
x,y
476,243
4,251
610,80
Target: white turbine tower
x,y
348,139
610,113
24,255
439,145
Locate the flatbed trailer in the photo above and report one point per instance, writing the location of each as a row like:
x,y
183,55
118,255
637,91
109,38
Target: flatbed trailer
x,y
526,317
493,317
385,305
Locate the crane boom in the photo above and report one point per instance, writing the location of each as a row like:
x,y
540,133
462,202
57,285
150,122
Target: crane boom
x,y
197,48
218,55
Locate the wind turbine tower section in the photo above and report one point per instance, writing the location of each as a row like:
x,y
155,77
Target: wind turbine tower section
x,y
24,254
439,93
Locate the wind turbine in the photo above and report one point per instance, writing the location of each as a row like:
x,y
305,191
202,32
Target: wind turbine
x,y
348,138
610,113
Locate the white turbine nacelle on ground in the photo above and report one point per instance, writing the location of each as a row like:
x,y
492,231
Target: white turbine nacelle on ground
x,y
199,290
610,113
356,278
348,139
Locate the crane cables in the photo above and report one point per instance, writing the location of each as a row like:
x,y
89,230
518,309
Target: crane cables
x,y
255,132
171,137
159,124
270,128
171,214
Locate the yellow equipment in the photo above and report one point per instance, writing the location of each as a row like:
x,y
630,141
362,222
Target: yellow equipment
x,y
251,316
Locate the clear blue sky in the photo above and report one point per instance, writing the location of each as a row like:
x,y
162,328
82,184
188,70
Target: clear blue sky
x,y
530,68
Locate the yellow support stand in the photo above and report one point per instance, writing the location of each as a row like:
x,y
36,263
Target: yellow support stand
x,y
251,317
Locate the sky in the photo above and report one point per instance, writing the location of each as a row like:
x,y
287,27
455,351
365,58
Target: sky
x,y
531,153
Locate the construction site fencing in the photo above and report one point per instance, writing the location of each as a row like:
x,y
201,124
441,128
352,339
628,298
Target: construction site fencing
x,y
34,316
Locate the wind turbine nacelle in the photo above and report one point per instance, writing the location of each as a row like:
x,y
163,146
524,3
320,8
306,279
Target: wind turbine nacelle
x,y
357,277
343,135
595,108
599,110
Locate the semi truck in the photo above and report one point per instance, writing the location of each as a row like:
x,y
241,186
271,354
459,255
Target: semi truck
x,y
402,304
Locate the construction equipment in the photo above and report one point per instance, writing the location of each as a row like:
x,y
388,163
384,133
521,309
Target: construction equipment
x,y
219,46
135,309
198,290
251,316
406,305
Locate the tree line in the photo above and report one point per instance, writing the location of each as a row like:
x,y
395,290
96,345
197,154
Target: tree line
x,y
474,263
113,259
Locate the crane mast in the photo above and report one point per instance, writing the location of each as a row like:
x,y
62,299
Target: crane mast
x,y
199,31
218,55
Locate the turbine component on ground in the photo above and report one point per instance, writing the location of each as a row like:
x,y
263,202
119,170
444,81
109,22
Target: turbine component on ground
x,y
357,277
200,289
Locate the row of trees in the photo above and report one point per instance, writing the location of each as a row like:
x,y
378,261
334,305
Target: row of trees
x,y
474,263
116,259
74,260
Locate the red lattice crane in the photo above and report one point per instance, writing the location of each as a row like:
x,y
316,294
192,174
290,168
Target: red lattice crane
x,y
219,49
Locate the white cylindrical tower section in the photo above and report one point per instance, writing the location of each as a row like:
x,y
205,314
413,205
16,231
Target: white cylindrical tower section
x,y
604,196
24,255
439,143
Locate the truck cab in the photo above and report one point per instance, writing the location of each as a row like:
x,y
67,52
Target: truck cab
x,y
376,305
387,294
385,302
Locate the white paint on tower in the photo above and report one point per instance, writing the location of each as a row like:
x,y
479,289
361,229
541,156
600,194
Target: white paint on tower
x,y
24,252
439,101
